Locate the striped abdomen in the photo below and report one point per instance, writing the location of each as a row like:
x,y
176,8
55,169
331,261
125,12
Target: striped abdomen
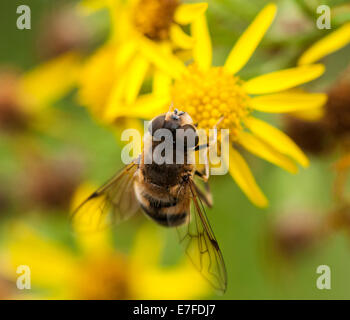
x,y
161,207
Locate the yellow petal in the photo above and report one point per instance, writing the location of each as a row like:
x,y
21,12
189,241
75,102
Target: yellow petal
x,y
327,45
310,115
121,25
265,151
161,59
161,84
148,246
182,281
25,246
250,39
288,102
180,38
152,281
115,103
51,80
136,74
94,241
121,124
186,13
97,78
277,139
146,107
241,173
202,50
284,79
124,53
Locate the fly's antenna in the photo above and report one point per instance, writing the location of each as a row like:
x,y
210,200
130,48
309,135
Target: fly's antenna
x,y
219,121
215,136
171,106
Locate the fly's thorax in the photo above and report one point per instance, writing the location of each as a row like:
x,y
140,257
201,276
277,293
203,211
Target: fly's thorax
x,y
166,175
167,151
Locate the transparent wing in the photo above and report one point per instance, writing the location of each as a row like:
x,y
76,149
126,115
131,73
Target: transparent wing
x,y
112,203
203,190
201,246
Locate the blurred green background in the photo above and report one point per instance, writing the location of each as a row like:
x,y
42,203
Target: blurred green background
x,y
259,267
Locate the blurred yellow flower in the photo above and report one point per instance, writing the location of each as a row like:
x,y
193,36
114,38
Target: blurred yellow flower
x,y
142,31
99,271
156,20
209,93
23,94
94,269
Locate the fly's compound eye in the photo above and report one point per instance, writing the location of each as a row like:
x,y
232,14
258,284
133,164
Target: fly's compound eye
x,y
157,123
187,137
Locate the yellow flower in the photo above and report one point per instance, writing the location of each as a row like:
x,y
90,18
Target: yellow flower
x,y
207,93
142,31
58,75
94,269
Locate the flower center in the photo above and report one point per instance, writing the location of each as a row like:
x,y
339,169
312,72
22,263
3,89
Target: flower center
x,y
154,17
208,96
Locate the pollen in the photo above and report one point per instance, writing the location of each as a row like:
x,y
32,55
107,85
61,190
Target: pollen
x,y
212,98
153,18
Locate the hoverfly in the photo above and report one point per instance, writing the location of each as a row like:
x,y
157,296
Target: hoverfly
x,y
166,193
